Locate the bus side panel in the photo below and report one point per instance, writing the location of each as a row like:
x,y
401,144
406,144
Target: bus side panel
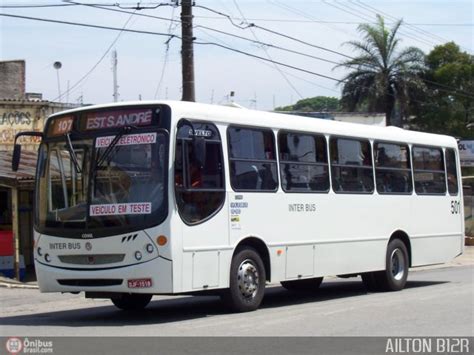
x,y
437,229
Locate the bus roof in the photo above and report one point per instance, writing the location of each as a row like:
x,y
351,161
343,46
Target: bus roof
x,y
248,117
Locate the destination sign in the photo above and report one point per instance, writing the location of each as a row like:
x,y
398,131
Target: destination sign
x,y
129,139
61,126
117,119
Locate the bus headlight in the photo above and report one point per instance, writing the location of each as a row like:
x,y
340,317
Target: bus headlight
x,y
47,257
138,255
149,248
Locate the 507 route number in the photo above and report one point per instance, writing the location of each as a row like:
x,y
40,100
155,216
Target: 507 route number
x,y
455,207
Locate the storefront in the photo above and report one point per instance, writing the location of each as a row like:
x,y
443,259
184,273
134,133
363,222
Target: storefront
x,y
16,215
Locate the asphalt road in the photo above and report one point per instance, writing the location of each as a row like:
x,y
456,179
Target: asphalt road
x,y
435,302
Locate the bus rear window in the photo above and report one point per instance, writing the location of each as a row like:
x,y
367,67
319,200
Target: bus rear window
x,y
452,171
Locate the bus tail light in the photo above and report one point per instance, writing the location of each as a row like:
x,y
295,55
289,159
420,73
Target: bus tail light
x,y
161,240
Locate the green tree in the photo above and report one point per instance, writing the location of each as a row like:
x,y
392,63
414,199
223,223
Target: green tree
x,y
313,104
449,97
381,76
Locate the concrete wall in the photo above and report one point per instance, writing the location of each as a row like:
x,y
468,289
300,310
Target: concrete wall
x,y
12,79
23,115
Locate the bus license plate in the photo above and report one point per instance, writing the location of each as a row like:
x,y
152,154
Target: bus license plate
x,y
139,283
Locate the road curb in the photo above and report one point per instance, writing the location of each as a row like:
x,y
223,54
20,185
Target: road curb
x,y
17,285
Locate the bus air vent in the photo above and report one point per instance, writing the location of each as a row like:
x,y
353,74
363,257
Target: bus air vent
x,y
127,238
92,259
90,282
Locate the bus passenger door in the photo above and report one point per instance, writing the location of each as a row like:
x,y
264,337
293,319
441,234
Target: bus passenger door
x,y
200,196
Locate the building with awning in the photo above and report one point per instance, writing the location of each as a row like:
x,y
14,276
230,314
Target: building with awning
x,y
16,213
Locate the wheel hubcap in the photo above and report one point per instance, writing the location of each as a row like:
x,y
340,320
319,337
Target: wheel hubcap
x,y
398,266
248,279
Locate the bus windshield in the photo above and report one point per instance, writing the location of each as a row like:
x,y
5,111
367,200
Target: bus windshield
x,y
98,183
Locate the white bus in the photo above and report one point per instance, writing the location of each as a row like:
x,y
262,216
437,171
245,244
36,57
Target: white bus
x,y
146,198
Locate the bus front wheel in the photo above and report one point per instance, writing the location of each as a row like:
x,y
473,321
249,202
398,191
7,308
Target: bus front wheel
x,y
394,277
135,301
247,281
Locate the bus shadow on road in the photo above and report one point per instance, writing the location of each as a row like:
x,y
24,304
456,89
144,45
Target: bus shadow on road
x,y
187,308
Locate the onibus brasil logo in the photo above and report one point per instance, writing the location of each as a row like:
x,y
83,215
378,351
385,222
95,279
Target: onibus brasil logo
x,y
16,345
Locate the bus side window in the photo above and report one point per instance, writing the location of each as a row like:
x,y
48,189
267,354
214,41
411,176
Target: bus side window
x,y
392,168
429,173
303,162
351,165
252,159
200,190
452,172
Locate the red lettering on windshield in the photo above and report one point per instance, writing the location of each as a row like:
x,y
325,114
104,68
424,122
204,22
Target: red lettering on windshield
x,y
115,119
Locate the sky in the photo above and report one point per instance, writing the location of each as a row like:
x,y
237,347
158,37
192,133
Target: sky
x,y
149,66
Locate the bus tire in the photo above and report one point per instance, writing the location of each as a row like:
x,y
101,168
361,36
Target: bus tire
x,y
394,277
303,285
134,301
247,281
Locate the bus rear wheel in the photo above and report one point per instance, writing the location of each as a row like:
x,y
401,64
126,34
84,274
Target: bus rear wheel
x,y
134,301
303,285
395,275
247,281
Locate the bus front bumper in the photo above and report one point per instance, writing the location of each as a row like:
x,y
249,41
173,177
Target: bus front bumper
x,y
153,276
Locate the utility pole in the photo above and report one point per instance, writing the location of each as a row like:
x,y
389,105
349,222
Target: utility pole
x,y
114,71
187,55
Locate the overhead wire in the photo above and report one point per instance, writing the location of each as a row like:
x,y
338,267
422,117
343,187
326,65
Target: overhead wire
x,y
366,18
456,91
167,43
91,70
269,65
250,25
421,31
87,25
276,67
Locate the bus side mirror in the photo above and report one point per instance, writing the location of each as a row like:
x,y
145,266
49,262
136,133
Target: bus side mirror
x,y
16,157
199,150
17,147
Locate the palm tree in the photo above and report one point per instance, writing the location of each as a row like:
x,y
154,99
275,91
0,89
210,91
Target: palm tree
x,y
381,76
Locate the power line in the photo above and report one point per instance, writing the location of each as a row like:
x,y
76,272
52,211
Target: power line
x,y
268,55
269,60
84,77
176,36
98,6
420,31
364,17
268,44
290,20
88,25
250,25
166,55
234,35
33,6
300,13
269,65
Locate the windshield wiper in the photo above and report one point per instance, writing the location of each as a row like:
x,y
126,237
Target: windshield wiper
x,y
72,154
112,145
